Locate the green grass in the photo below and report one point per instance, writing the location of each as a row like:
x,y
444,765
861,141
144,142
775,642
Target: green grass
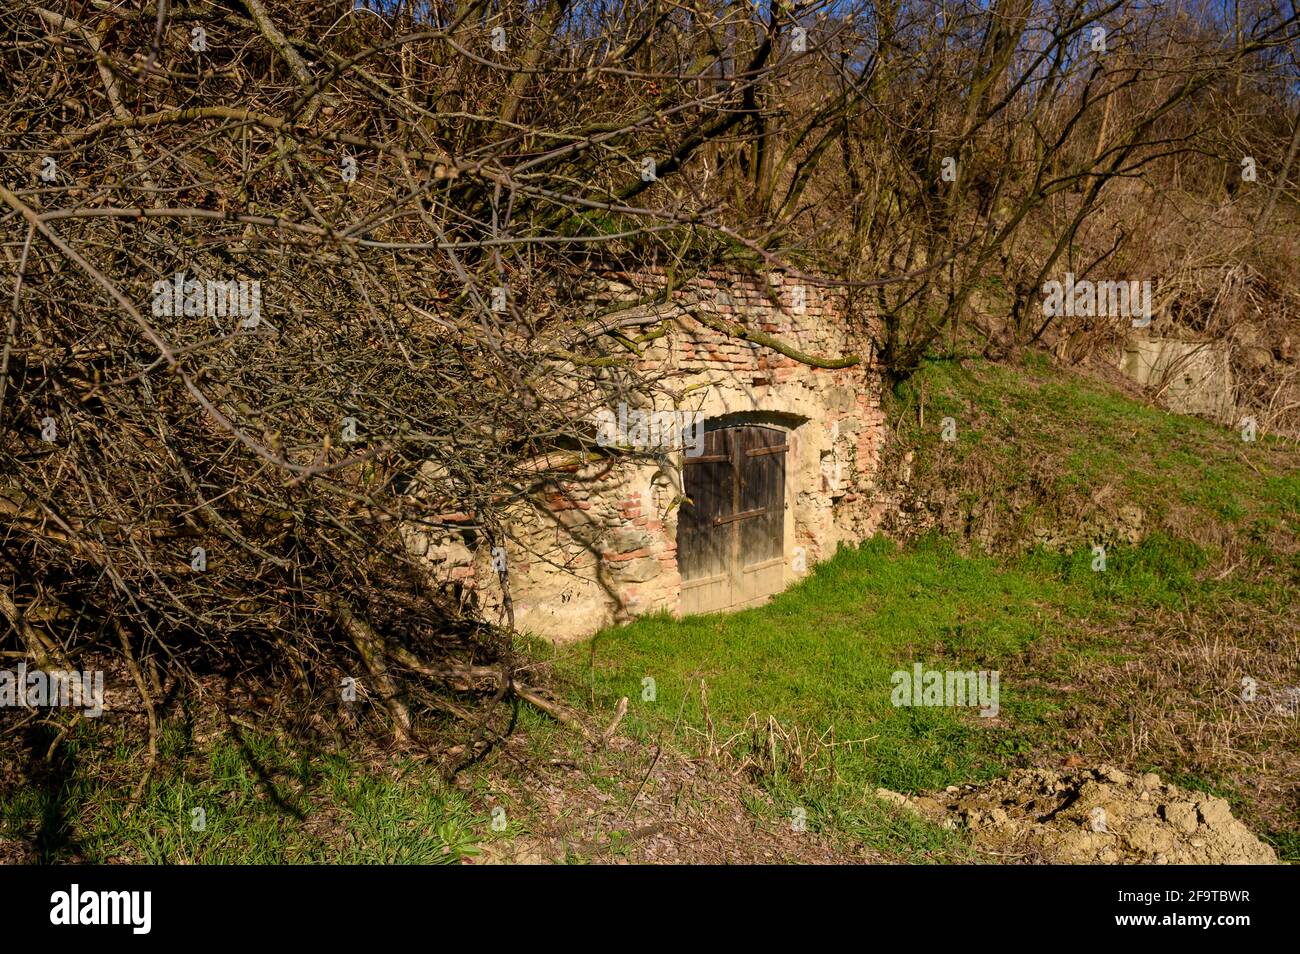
x,y
821,654
1159,572
820,657
245,800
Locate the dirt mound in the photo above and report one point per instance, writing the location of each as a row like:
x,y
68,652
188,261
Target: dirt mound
x,y
1092,816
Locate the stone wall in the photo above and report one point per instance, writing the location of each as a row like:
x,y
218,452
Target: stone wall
x,y
600,547
1188,377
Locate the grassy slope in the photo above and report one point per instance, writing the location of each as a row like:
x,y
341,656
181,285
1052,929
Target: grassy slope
x,y
1040,455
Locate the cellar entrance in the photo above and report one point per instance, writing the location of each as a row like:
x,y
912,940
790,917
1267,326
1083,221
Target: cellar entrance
x,y
731,527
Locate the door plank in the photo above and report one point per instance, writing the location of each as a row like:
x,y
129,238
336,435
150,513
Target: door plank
x,y
731,527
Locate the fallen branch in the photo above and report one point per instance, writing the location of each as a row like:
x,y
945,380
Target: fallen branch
x,y
556,711
371,647
613,726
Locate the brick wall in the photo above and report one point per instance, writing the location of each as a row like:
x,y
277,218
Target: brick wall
x,y
600,547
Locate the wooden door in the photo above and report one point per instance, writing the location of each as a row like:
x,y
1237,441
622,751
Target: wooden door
x,y
731,527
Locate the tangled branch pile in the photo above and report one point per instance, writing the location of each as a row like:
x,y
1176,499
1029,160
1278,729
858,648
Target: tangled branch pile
x,y
285,278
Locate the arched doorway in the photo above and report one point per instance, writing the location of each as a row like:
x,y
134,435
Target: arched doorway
x,y
731,527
